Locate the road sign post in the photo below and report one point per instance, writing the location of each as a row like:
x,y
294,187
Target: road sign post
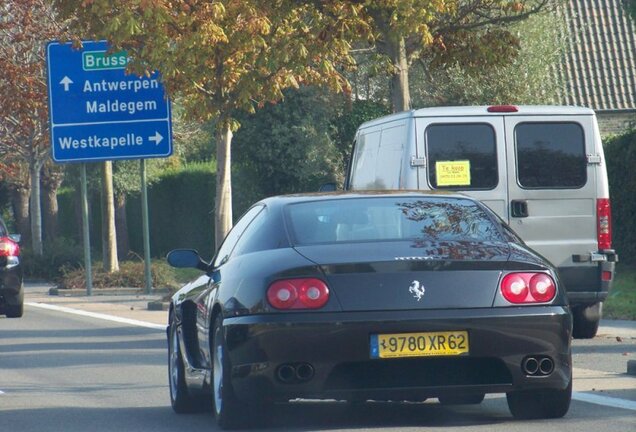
x,y
98,112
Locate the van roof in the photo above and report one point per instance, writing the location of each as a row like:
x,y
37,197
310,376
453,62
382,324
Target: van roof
x,y
473,111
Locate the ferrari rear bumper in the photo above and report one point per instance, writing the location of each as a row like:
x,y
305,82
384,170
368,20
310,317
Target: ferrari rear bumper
x,y
327,355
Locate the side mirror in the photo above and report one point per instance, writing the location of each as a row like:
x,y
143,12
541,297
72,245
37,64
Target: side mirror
x,y
186,258
328,187
15,237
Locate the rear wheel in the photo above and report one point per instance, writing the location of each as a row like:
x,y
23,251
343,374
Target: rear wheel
x,y
15,310
181,400
537,404
226,406
469,399
586,320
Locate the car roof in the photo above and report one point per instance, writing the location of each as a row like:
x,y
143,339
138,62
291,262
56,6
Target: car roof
x,y
482,111
328,196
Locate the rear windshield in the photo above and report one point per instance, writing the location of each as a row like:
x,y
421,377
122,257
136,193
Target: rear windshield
x,y
389,219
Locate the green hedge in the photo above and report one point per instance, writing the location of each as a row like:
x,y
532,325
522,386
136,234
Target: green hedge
x,y
70,218
620,155
180,208
181,211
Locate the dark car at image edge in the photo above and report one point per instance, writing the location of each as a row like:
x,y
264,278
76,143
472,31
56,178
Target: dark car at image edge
x,y
378,295
11,289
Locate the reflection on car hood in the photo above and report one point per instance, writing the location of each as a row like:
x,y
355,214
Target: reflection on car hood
x,y
401,275
417,250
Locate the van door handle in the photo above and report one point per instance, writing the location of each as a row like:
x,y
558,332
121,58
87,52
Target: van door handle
x,y
519,208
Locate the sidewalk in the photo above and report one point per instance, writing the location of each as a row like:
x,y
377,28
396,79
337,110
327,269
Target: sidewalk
x,y
620,328
129,306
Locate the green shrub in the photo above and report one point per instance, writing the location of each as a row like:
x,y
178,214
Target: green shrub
x,y
61,253
621,303
620,155
130,275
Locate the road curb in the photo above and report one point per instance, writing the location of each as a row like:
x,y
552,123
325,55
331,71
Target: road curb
x,y
102,291
158,306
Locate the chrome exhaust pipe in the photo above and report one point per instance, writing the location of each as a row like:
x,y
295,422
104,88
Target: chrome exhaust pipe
x,y
530,366
546,366
286,373
304,372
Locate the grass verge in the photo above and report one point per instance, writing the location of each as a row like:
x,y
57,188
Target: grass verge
x,y
621,303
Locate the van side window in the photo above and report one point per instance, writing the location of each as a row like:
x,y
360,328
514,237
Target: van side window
x,y
464,156
364,160
550,155
377,158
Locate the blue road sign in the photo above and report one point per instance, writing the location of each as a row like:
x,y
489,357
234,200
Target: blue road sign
x,y
98,112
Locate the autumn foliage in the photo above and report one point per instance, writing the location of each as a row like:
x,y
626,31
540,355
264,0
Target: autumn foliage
x,y
25,28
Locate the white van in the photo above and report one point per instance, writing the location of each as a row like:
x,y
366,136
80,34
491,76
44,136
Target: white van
x,y
540,168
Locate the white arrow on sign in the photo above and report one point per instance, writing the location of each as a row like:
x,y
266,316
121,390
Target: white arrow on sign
x,y
65,82
157,138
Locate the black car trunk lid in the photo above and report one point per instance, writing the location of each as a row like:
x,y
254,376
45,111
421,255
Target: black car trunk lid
x,y
408,275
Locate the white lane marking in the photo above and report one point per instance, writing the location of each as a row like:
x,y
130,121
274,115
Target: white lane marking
x,y
604,400
583,397
98,316
1,392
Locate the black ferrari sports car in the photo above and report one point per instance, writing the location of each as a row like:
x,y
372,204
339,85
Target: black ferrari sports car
x,y
358,296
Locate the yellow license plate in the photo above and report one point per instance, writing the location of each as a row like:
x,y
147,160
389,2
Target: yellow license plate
x,y
447,343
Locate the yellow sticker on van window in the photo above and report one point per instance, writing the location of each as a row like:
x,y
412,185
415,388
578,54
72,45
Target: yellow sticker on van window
x,y
453,173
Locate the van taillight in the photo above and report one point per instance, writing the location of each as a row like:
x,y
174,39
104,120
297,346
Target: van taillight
x,y
502,109
604,223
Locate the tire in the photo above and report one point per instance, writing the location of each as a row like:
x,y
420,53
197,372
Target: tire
x,y
14,311
180,399
469,399
586,320
229,412
540,404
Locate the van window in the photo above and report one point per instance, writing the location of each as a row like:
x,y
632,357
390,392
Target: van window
x,y
462,156
364,160
377,159
550,155
390,156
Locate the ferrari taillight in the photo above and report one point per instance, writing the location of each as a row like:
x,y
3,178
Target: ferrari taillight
x,y
521,288
8,248
305,293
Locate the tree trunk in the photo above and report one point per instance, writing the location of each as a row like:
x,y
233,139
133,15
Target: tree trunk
x,y
50,208
400,96
223,202
109,237
50,181
20,205
35,209
121,224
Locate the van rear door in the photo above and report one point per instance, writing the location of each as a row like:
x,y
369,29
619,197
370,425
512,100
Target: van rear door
x,y
464,153
552,188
